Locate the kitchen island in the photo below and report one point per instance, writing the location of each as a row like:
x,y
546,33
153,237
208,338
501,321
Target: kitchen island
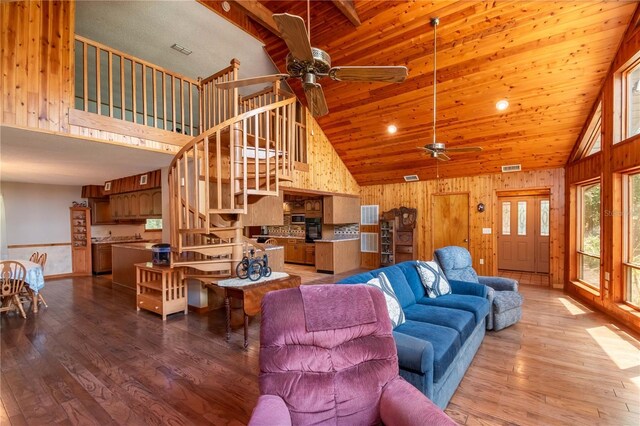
x,y
124,257
337,255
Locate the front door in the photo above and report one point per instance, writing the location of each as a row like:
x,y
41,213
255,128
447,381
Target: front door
x,y
450,220
523,237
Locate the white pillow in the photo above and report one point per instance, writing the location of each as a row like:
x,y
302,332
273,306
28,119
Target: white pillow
x,y
396,314
433,279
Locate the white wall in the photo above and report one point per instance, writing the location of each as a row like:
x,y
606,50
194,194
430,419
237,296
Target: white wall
x,y
39,214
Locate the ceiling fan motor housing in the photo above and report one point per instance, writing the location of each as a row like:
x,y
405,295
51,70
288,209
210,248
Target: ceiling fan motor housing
x,y
321,64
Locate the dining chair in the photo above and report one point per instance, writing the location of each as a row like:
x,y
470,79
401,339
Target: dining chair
x,y
12,276
40,259
271,242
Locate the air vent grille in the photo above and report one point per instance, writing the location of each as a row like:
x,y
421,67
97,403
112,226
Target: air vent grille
x,y
369,242
369,215
511,168
411,178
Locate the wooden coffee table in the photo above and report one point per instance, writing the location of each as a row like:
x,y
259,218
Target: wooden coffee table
x,y
251,296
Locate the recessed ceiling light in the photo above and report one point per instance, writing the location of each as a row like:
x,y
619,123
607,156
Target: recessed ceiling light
x,y
391,128
502,104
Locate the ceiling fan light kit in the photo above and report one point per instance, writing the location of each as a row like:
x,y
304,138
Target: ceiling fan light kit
x,y
438,150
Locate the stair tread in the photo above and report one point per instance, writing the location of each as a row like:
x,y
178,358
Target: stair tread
x,y
204,262
211,246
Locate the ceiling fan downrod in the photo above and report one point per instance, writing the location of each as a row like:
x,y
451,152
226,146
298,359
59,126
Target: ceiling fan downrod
x,y
434,23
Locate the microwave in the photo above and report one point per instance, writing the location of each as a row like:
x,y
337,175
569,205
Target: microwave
x,y
297,219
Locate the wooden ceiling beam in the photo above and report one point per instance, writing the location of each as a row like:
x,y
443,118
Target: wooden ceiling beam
x,y
259,13
348,9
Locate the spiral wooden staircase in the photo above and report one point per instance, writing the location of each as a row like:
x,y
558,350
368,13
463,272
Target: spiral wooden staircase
x,y
243,153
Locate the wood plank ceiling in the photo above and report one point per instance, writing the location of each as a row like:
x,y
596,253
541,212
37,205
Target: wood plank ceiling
x,y
549,59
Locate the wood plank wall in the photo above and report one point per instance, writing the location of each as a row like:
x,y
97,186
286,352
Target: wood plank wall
x,y
480,189
608,165
37,63
326,171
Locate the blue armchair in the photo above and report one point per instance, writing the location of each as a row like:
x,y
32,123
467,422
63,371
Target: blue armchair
x,y
506,301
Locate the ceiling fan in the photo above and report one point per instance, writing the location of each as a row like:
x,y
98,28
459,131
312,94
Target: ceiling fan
x,y
310,64
438,150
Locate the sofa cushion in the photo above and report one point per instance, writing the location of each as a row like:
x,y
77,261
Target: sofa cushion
x,y
358,279
462,321
394,309
504,301
413,279
433,279
445,341
478,306
399,283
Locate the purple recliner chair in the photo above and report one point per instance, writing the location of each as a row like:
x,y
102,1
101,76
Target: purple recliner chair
x,y
327,357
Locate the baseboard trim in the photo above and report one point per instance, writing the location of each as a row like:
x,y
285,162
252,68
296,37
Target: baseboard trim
x,y
57,276
198,310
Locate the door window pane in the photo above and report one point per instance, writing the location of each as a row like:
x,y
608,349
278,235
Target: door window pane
x,y
506,218
632,235
522,218
544,218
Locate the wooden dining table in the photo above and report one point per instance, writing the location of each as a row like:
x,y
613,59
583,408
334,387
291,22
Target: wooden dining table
x,y
34,279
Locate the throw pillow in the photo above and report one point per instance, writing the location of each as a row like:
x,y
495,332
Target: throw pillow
x,y
396,314
433,279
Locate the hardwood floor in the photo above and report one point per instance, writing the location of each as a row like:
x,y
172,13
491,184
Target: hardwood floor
x,y
526,278
91,359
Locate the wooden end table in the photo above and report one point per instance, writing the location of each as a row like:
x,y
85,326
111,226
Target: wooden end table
x,y
251,296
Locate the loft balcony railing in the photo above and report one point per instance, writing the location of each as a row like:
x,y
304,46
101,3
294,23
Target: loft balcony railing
x,y
117,85
123,87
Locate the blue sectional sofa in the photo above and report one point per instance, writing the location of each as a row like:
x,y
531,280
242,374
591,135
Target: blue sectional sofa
x,y
440,336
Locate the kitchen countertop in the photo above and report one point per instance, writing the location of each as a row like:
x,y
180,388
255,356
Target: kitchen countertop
x,y
278,236
336,240
137,245
133,240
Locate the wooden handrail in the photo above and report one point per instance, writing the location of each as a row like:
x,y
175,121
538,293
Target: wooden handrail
x,y
171,103
235,63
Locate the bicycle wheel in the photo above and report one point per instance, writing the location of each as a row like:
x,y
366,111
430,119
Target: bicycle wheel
x,y
241,270
267,271
255,271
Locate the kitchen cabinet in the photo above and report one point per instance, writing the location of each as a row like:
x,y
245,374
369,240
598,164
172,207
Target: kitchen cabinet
x,y
339,210
101,258
297,207
137,205
80,240
265,211
100,211
310,254
338,256
313,208
296,250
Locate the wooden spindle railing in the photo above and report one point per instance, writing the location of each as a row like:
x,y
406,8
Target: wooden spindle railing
x,y
121,86
218,105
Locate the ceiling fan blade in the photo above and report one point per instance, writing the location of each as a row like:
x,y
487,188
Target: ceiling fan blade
x,y
294,33
382,74
425,149
249,81
316,100
442,156
466,149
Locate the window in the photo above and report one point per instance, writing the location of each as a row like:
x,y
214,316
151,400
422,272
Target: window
x,y
153,225
588,233
632,239
544,218
506,218
592,140
631,78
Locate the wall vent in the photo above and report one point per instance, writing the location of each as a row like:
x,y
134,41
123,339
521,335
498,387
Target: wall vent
x,y
511,168
369,215
411,178
369,242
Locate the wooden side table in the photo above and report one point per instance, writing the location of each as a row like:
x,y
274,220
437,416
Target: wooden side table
x,y
160,289
251,296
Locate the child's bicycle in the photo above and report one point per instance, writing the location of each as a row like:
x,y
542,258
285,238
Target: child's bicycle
x,y
253,267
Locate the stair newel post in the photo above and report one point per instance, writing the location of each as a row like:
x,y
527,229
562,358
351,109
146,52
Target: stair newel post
x,y
201,105
207,201
237,251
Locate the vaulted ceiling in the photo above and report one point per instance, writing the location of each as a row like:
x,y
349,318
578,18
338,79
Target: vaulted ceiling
x,y
548,59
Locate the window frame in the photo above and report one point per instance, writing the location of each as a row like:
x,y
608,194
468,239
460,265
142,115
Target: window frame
x,y
626,91
627,265
580,253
